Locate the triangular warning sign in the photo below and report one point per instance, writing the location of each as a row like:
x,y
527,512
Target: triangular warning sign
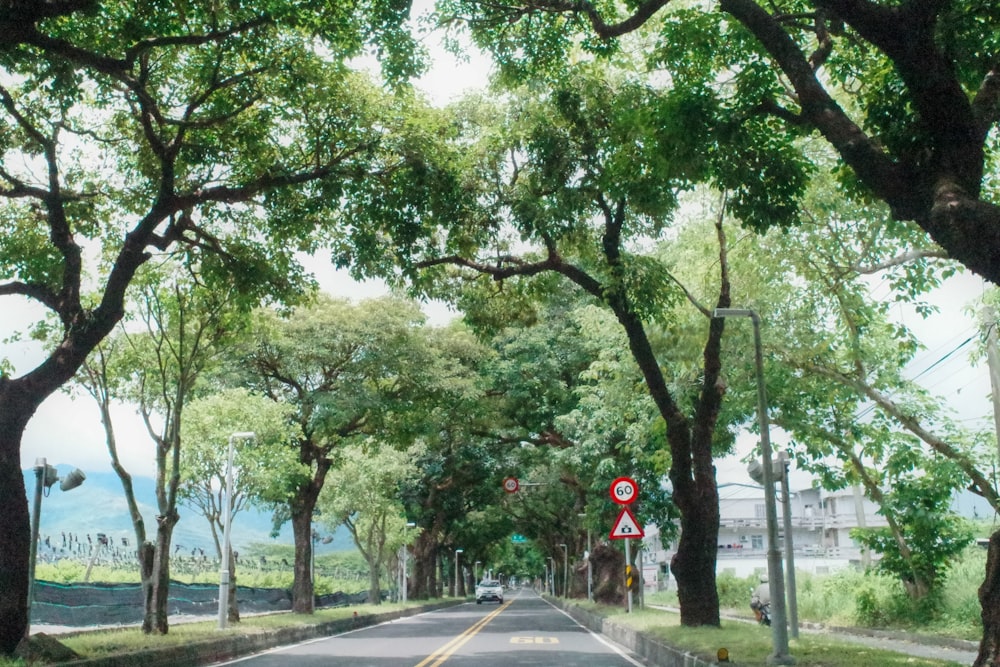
x,y
626,526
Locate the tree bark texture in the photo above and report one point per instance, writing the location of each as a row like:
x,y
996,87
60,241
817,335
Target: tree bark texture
x,y
608,566
157,611
19,399
989,599
423,584
302,583
15,536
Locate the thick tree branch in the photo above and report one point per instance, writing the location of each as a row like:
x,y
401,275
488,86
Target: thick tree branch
x,y
876,169
899,260
912,424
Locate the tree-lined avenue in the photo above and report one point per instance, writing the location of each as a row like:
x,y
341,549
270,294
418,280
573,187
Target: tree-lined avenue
x,y
525,630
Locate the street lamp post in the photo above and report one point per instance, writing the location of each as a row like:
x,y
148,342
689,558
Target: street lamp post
x,y
457,551
45,477
224,571
405,576
776,583
590,569
786,515
565,570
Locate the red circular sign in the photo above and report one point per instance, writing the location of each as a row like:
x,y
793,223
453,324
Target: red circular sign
x,y
511,485
624,490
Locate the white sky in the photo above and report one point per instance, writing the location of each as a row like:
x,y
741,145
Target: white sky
x,y
68,431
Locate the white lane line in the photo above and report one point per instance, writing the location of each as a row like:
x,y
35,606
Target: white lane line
x,y
617,649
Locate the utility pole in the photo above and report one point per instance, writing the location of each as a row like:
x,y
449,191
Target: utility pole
x,y
993,361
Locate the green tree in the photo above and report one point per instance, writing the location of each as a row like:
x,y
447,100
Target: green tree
x,y
350,372
157,369
919,506
906,93
538,172
837,380
366,500
132,128
261,463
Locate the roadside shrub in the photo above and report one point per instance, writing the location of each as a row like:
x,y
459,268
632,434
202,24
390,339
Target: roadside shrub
x,y
734,592
880,601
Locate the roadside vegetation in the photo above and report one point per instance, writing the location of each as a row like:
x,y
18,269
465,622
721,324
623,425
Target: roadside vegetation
x,y
847,598
851,598
340,571
749,645
132,640
637,174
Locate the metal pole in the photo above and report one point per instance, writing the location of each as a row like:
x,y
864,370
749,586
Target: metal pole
x,y
642,576
793,607
40,465
776,580
628,564
565,570
590,570
405,586
224,571
457,551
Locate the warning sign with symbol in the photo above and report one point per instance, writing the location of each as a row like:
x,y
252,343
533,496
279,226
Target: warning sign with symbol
x,y
626,526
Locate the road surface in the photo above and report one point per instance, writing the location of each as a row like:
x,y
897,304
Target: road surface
x,y
525,631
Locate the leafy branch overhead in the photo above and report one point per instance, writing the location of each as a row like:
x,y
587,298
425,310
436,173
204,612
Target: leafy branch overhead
x,y
907,94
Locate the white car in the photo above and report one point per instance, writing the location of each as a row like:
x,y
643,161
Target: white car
x,y
489,590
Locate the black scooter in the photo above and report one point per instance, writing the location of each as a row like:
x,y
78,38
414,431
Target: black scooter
x,y
765,614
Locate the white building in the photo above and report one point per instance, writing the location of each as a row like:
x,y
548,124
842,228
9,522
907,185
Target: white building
x,y
821,524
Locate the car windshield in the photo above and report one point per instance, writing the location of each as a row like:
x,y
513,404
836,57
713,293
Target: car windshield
x,y
489,583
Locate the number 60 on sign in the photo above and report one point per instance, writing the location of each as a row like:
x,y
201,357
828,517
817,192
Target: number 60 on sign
x,y
624,491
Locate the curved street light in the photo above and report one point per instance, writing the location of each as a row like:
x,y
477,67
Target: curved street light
x,y
775,576
45,477
224,571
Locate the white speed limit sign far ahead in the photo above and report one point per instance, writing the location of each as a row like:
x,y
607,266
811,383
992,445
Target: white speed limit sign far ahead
x,y
624,490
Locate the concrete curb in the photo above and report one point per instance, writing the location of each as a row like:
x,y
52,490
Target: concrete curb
x,y
233,646
655,651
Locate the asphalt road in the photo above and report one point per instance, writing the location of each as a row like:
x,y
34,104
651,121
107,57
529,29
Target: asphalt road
x,y
525,631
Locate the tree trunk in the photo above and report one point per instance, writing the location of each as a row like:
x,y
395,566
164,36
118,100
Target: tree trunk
x,y
693,564
15,535
989,599
302,584
608,564
374,585
423,584
16,408
147,557
157,610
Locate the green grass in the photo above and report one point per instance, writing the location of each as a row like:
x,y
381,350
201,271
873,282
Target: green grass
x,y
750,645
99,643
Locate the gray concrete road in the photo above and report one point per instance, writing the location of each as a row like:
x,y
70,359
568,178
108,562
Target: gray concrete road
x,y
525,631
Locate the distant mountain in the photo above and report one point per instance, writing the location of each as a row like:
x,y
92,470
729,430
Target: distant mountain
x,y
98,506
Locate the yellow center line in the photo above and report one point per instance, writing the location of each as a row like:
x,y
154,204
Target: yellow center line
x,y
439,656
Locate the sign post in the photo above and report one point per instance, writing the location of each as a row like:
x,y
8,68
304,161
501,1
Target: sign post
x,y
624,491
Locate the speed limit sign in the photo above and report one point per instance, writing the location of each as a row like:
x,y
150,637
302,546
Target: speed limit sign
x,y
624,490
511,485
